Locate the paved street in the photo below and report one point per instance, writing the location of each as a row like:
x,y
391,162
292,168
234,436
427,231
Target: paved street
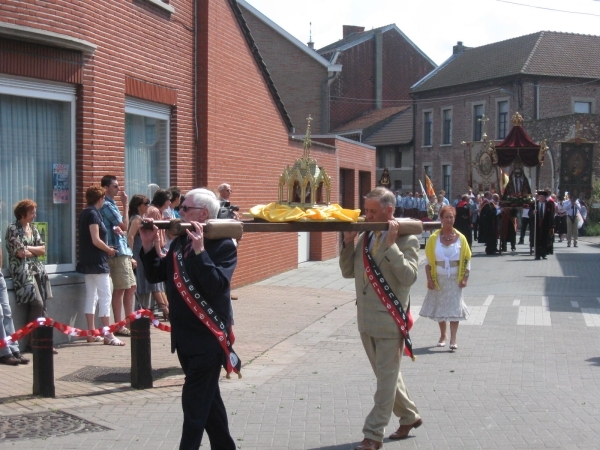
x,y
526,374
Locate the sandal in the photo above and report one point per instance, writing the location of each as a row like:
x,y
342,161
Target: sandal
x,y
164,309
123,332
95,339
113,341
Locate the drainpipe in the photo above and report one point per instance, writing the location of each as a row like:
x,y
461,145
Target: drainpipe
x,y
537,100
378,64
325,102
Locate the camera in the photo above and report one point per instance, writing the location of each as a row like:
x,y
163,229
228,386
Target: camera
x,y
227,210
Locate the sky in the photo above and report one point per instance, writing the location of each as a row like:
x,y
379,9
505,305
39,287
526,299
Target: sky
x,y
433,25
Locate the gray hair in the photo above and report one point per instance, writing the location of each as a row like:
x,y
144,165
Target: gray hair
x,y
385,196
203,198
223,187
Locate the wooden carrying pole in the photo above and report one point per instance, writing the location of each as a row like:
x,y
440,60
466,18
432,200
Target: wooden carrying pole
x,y
228,228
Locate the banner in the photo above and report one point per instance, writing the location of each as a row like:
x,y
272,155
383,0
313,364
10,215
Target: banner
x,y
429,184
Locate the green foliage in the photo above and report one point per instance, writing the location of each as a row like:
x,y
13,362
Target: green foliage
x,y
592,229
593,214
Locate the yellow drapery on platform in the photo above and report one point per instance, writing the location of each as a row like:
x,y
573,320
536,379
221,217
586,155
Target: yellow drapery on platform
x,y
275,212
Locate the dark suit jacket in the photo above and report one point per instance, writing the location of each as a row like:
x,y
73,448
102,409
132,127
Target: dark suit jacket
x,y
210,272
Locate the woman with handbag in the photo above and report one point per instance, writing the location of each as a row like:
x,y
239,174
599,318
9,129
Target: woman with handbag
x,y
24,245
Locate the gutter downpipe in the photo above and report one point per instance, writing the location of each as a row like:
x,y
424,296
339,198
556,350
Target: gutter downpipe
x,y
325,103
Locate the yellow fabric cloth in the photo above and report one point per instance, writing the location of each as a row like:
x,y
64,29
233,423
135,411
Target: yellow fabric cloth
x,y
275,212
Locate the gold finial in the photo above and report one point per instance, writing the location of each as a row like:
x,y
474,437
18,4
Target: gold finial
x,y
307,142
484,120
517,119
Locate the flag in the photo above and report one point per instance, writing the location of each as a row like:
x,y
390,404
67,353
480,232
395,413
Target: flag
x,y
424,193
430,190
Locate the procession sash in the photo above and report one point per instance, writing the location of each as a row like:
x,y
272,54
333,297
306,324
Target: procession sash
x,y
205,313
389,299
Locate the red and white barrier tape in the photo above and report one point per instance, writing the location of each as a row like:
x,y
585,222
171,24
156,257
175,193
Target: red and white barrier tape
x,y
76,332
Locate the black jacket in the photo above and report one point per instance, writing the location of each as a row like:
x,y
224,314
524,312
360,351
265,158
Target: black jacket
x,y
210,272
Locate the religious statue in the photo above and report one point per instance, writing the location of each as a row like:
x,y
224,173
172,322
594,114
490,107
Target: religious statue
x,y
517,185
385,178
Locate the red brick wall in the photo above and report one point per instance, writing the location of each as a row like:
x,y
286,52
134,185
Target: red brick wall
x,y
136,40
402,67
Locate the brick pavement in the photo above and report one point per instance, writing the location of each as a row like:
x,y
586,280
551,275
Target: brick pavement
x,y
307,383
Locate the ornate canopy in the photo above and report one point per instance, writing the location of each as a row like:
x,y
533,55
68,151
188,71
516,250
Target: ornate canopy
x,y
305,184
518,144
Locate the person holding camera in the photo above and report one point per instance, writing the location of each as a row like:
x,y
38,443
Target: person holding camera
x,y
227,210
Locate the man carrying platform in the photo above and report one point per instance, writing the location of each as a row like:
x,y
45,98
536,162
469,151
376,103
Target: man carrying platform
x,y
384,266
197,273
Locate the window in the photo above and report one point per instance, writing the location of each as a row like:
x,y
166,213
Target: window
x,y
446,127
37,147
146,146
398,185
427,127
446,171
477,122
427,170
582,107
502,119
389,157
398,158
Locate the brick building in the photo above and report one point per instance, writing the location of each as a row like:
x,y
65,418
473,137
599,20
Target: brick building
x,y
90,88
301,75
379,67
550,78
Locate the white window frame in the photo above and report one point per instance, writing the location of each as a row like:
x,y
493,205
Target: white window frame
x,y
446,108
591,101
425,111
62,92
497,124
156,111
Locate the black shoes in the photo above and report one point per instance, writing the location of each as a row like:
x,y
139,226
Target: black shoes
x,y
20,358
9,360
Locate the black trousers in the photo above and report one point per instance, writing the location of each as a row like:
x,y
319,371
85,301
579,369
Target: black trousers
x,y
202,404
524,224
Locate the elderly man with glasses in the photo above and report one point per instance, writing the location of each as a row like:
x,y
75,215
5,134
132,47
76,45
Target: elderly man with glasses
x,y
197,273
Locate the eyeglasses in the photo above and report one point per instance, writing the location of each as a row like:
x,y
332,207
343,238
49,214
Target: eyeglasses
x,y
187,208
147,203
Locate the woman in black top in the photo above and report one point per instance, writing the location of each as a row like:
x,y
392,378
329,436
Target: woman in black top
x,y
93,263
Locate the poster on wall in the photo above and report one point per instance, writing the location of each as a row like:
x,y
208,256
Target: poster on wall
x,y
42,227
60,183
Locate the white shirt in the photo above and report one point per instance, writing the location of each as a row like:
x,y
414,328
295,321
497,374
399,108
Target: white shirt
x,y
568,207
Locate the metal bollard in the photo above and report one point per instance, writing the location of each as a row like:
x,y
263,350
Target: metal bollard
x,y
141,360
43,362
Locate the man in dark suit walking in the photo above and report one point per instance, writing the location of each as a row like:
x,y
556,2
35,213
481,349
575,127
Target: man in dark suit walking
x,y
203,270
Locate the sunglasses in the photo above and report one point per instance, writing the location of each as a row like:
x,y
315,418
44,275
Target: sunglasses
x,y
187,208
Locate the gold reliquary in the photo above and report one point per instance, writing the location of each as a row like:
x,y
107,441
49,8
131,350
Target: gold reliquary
x,y
305,184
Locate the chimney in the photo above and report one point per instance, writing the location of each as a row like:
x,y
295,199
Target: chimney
x,y
311,45
459,47
349,29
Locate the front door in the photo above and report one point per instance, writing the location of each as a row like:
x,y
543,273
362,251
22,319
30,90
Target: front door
x,y
303,246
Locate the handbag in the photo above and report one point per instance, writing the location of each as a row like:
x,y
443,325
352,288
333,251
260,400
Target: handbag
x,y
579,220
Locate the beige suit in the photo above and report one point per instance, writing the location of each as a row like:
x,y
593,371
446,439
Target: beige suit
x,y
379,332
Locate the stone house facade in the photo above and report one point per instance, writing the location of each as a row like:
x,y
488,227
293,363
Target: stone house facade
x,y
550,78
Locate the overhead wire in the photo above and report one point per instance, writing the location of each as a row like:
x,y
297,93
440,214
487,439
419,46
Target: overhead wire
x,y
549,9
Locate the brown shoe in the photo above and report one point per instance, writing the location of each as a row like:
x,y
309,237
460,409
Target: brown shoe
x,y
20,358
9,360
234,297
369,444
402,432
